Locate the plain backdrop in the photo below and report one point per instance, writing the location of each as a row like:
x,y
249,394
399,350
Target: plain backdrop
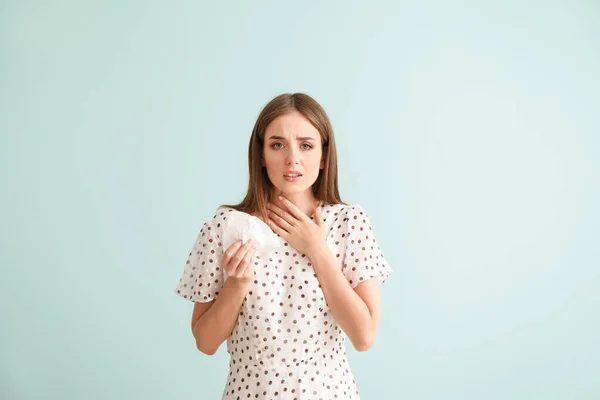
x,y
468,131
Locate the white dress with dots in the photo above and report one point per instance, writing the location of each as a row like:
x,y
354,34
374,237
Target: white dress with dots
x,y
286,344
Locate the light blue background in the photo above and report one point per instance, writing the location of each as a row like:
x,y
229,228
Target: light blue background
x,y
467,130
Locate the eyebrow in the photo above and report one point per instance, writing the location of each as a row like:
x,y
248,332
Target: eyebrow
x,y
282,138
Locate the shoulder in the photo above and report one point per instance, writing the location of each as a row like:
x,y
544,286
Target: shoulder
x,y
354,220
347,218
213,224
345,210
221,214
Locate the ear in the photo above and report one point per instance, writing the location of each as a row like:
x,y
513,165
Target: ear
x,y
262,162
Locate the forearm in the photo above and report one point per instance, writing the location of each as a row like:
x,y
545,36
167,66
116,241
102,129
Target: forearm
x,y
348,308
217,323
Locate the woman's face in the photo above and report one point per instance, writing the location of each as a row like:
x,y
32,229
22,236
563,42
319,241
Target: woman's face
x,y
292,146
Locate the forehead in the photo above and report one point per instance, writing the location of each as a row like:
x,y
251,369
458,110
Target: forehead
x,y
291,125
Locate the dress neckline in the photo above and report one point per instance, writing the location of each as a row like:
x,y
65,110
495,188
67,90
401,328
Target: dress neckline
x,y
320,205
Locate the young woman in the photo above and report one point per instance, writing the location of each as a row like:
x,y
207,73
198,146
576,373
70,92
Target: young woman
x,y
285,313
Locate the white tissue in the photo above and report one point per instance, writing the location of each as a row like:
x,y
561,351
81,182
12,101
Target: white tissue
x,y
242,226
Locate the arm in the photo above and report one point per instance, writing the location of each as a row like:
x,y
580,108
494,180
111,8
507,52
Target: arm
x,y
356,310
213,322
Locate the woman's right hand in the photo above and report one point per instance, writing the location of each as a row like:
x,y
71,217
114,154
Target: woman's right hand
x,y
238,262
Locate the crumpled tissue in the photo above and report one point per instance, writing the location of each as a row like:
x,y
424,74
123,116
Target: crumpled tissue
x,y
243,226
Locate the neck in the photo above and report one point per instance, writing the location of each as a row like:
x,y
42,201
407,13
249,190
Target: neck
x,y
305,201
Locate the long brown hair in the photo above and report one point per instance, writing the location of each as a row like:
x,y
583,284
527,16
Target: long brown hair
x,y
260,187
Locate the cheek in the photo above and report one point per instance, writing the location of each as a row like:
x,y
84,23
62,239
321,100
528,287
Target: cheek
x,y
314,160
270,159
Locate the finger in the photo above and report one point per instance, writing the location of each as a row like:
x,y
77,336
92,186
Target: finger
x,y
230,252
249,272
277,229
282,223
239,256
318,217
291,207
246,263
282,214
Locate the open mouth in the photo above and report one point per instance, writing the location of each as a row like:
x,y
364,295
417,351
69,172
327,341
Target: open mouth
x,y
292,177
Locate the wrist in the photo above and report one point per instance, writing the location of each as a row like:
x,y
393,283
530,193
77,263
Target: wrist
x,y
239,286
317,251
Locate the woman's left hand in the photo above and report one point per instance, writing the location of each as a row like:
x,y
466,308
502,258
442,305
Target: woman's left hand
x,y
296,227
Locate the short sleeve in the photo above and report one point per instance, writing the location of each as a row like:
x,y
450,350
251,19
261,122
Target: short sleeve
x,y
202,277
363,259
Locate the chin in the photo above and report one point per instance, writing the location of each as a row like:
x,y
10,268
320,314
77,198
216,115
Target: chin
x,y
290,188
285,189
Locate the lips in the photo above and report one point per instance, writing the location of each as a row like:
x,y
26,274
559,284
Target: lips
x,y
292,174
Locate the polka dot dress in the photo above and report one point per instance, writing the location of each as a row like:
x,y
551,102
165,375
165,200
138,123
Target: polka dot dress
x,y
286,343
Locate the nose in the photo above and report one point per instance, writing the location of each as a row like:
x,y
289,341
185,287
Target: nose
x,y
291,158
